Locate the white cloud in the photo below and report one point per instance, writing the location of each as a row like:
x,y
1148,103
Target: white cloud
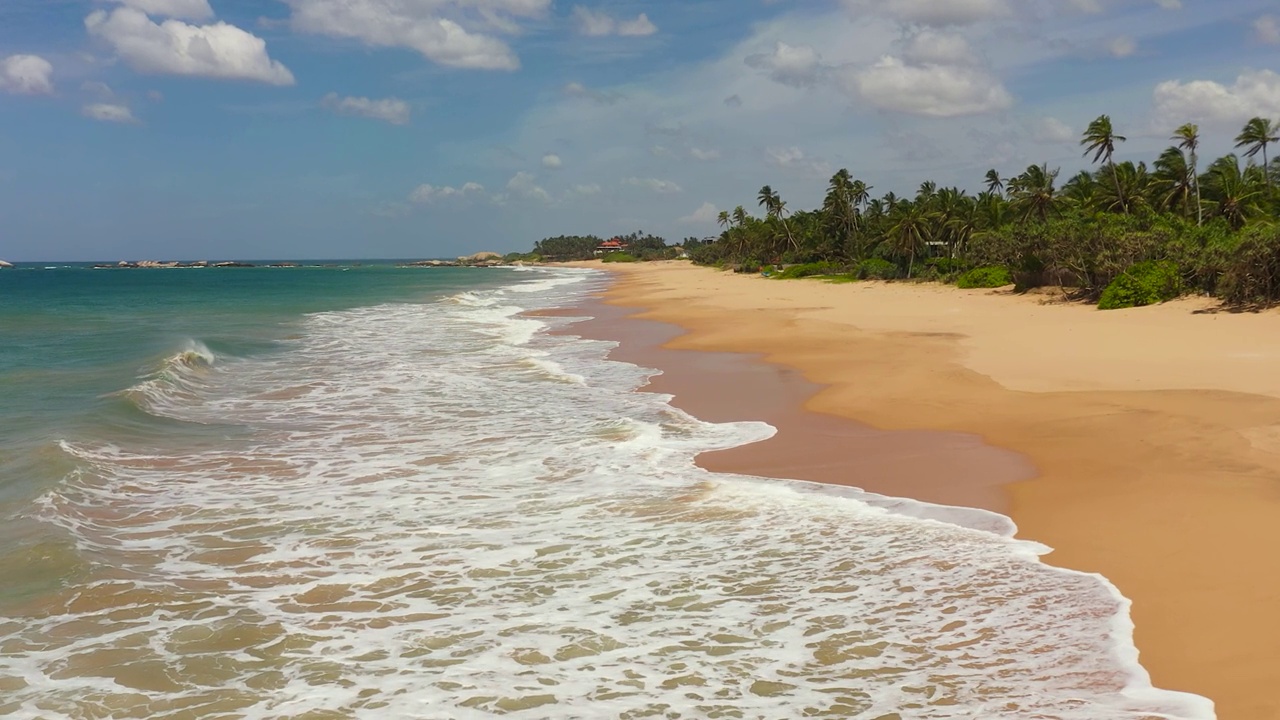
x,y
793,158
552,162
1122,46
175,48
1052,130
1267,29
455,33
796,66
934,90
392,110
26,75
935,47
428,194
704,155
933,13
706,213
525,186
109,112
578,90
1254,93
662,187
180,9
595,23
587,189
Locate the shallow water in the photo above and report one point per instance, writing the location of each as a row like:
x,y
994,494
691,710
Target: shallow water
x,y
435,508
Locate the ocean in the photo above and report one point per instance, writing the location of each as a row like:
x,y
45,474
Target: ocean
x,y
373,492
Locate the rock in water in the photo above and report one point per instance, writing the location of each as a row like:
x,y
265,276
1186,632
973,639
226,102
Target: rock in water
x,y
4,264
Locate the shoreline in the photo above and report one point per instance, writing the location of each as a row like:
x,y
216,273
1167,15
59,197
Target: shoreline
x,y
1169,493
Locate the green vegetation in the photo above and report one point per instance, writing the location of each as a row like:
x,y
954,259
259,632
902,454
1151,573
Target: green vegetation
x,y
620,257
1147,283
809,270
639,246
985,277
1122,229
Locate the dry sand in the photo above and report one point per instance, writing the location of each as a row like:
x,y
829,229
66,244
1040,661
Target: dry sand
x,y
1154,432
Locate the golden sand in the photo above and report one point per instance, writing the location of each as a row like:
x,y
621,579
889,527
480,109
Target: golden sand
x,y
1155,432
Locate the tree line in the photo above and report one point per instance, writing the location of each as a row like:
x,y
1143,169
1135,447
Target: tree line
x,y
1153,231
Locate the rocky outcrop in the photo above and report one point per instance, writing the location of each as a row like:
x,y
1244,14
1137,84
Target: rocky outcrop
x,y
478,258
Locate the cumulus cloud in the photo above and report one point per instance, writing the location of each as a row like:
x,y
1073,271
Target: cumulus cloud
x,y
793,158
928,89
552,162
391,110
705,214
798,66
1051,130
173,47
455,33
525,186
595,23
429,194
1254,93
179,9
26,75
935,47
933,13
1267,29
109,112
662,187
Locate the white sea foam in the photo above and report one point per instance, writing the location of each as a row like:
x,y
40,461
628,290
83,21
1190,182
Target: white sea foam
x,y
444,512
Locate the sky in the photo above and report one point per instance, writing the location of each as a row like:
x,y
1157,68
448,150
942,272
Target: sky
x,y
247,129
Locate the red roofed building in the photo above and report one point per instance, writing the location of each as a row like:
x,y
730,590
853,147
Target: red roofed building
x,y
611,246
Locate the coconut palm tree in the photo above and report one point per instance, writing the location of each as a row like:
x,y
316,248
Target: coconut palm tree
x,y
775,207
1257,134
1100,139
910,231
994,183
1188,139
1033,193
1174,182
723,219
1236,192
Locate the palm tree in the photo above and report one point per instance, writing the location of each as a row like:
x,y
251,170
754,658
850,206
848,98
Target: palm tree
x,y
1188,138
1082,192
910,231
994,183
1033,193
1175,182
1127,188
1257,134
1235,191
739,216
774,207
1100,139
723,219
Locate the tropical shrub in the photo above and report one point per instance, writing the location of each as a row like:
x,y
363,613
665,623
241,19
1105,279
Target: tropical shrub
x,y
1147,283
985,277
1251,273
620,257
877,269
809,270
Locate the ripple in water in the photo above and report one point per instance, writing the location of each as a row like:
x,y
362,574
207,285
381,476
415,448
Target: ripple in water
x,y
444,512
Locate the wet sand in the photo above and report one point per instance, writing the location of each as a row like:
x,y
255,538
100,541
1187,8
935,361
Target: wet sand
x,y
1142,444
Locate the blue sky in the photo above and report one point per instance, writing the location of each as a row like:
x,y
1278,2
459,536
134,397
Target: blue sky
x,y
211,129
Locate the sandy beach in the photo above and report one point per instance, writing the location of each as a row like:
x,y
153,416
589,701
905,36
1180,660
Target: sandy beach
x,y
1141,444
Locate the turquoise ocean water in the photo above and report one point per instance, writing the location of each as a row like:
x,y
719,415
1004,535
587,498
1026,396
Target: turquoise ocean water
x,y
371,492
